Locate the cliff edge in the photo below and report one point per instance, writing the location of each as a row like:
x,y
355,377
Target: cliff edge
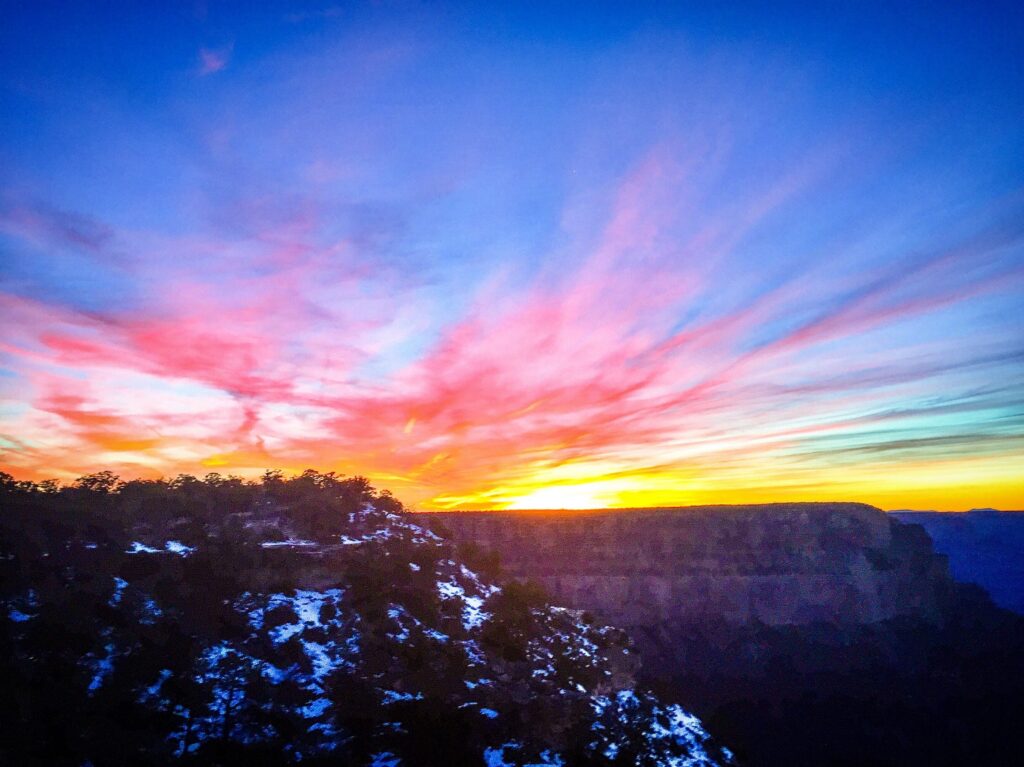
x,y
776,564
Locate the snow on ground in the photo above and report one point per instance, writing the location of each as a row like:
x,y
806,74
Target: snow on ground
x,y
473,614
120,584
138,547
290,543
318,634
102,666
390,696
18,609
495,757
669,729
170,547
179,548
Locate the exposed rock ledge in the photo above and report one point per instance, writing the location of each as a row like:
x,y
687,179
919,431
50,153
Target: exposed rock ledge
x,y
772,563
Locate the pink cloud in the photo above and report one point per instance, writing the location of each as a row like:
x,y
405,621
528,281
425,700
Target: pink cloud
x,y
586,365
214,59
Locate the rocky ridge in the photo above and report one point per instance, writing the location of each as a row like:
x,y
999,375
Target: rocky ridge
x,y
373,644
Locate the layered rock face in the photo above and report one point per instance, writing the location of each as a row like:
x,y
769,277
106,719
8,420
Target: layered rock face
x,y
803,634
776,564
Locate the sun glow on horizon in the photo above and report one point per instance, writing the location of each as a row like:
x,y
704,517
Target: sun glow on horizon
x,y
561,497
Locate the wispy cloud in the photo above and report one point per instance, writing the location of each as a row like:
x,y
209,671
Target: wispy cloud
x,y
49,227
213,60
581,379
493,288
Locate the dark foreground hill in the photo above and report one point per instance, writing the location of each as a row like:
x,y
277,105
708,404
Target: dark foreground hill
x,y
803,634
306,621
984,546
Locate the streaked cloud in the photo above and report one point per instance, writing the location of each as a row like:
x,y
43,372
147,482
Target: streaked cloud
x,y
399,253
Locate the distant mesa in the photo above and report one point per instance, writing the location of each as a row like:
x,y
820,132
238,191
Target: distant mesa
x,y
985,546
982,510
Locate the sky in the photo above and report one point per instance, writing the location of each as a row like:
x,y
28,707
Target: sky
x,y
521,255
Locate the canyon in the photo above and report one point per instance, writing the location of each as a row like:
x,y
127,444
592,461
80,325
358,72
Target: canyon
x,y
802,633
772,564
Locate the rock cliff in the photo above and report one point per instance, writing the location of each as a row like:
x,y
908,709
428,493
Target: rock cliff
x,y
803,634
776,564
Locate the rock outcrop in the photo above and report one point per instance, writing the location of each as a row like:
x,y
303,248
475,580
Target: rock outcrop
x,y
776,564
369,642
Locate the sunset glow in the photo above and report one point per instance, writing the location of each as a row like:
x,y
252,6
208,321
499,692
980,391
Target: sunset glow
x,y
680,267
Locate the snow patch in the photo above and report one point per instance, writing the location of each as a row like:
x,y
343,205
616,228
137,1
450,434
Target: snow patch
x,y
290,543
315,708
120,584
391,696
495,757
179,548
138,547
102,668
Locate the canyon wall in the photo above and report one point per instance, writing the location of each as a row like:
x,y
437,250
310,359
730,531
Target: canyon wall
x,y
803,634
775,564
